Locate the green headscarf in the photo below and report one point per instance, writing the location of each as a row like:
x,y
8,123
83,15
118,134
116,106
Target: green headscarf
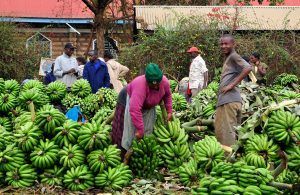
x,y
153,73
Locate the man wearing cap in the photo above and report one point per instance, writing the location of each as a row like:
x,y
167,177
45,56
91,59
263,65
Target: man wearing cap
x,y
198,75
66,66
96,72
135,112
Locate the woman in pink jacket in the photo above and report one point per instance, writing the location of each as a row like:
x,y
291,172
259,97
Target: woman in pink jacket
x,y
135,112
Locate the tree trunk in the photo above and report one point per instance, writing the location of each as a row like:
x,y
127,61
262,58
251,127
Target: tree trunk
x,y
100,29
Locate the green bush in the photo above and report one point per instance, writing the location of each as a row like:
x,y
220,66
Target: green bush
x,y
15,61
279,49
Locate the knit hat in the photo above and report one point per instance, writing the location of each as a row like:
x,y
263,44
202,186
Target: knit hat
x,y
153,73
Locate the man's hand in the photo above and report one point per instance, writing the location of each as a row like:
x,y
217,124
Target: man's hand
x,y
227,88
139,135
72,70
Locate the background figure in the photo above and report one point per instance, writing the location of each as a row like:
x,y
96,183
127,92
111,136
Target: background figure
x,y
81,63
49,78
115,70
259,68
66,66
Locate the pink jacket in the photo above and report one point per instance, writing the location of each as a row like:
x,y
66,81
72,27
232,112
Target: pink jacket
x,y
142,97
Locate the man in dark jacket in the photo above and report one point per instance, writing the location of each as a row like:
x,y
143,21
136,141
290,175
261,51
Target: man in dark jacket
x,y
96,72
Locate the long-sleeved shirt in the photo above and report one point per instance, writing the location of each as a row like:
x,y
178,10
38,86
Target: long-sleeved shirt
x,y
65,63
142,97
196,75
97,75
116,70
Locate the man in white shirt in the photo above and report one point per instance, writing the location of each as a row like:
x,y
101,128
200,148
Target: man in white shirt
x,y
66,66
198,75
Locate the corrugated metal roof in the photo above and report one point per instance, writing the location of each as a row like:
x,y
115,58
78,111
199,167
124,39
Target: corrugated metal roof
x,y
257,17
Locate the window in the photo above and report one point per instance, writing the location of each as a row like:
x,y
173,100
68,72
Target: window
x,y
107,46
40,43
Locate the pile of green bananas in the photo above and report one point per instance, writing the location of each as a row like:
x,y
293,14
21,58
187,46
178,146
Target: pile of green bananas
x,y
79,178
114,178
173,85
107,97
6,123
209,110
48,118
90,105
10,158
67,134
21,177
53,176
102,114
11,87
7,102
100,160
208,152
28,136
70,100
144,160
81,88
284,127
71,156
45,154
285,79
56,91
260,150
179,102
33,84
93,137
189,174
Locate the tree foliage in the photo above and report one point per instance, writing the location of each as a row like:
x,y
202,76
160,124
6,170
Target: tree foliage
x,y
15,61
279,49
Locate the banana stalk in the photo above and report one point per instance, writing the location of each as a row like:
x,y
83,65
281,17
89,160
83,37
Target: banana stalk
x,y
198,122
282,165
195,129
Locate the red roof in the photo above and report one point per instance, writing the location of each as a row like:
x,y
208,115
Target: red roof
x,y
267,2
44,9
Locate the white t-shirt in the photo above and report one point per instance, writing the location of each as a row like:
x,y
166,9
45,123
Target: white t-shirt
x,y
196,75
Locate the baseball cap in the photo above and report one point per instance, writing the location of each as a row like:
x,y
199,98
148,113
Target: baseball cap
x,y
69,46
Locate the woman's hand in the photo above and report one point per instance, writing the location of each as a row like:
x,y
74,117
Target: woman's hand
x,y
169,117
139,134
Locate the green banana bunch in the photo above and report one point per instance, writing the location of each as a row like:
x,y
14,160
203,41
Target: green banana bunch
x,y
214,85
209,110
11,158
21,177
11,87
6,138
45,154
67,134
172,132
101,115
266,189
287,176
18,111
224,170
188,173
174,154
6,123
7,102
48,118
90,105
261,145
71,156
81,88
284,127
56,91
28,136
208,152
93,137
288,95
34,96
179,102
252,190
22,119
107,97
145,157
99,160
53,176
33,84
71,100
2,178
285,79
79,178
293,153
1,85
114,178
173,85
